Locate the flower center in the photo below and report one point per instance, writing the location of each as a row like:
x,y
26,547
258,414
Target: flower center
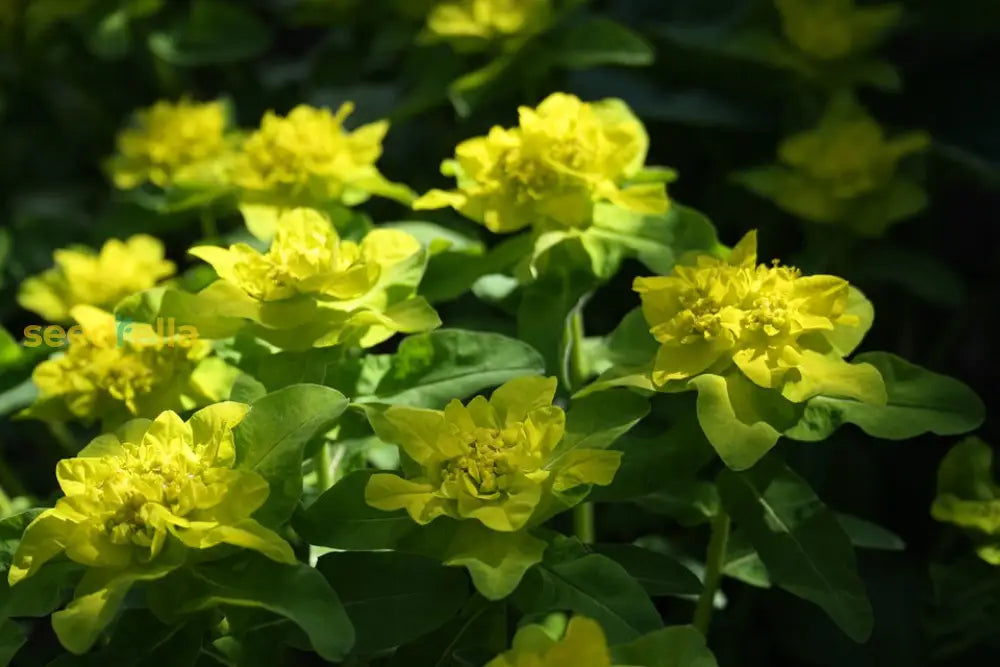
x,y
484,466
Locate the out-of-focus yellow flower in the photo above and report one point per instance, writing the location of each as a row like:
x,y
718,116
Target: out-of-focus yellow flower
x,y
475,23
833,29
781,329
583,645
320,289
491,461
170,143
136,501
849,156
307,158
550,171
843,171
83,277
114,371
968,495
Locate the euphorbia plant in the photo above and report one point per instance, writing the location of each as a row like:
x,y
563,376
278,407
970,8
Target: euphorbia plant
x,y
338,471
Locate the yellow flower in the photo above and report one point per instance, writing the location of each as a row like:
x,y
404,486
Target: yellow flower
x,y
845,171
308,158
312,288
847,154
172,142
780,329
968,495
136,501
833,29
551,170
83,277
117,370
492,461
583,645
474,23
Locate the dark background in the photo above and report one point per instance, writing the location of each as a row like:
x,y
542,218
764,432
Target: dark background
x,y
933,279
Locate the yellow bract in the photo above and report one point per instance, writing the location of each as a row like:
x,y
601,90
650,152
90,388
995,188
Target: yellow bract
x,y
171,142
128,494
109,372
583,645
308,257
832,29
136,502
491,461
550,171
782,330
468,22
313,289
847,155
83,277
308,158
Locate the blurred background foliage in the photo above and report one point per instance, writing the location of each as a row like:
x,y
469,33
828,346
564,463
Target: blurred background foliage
x,y
718,87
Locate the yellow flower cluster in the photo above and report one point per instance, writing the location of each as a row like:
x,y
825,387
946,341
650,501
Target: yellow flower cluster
x,y
337,290
171,143
472,23
834,29
83,277
582,645
108,374
848,155
307,157
781,329
135,501
551,170
490,460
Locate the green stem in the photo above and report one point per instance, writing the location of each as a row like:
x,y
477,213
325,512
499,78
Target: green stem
x,y
583,514
714,562
209,230
576,370
583,522
324,477
64,437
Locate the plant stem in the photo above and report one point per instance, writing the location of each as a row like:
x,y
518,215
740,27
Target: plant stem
x,y
583,522
583,514
324,479
575,372
714,561
208,228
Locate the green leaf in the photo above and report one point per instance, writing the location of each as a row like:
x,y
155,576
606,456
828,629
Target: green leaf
x,y
43,592
596,40
341,519
740,420
867,535
430,369
661,473
392,598
658,573
12,638
658,241
456,260
138,638
598,420
592,585
495,561
919,401
743,563
543,318
676,646
216,32
271,438
799,540
482,626
298,593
